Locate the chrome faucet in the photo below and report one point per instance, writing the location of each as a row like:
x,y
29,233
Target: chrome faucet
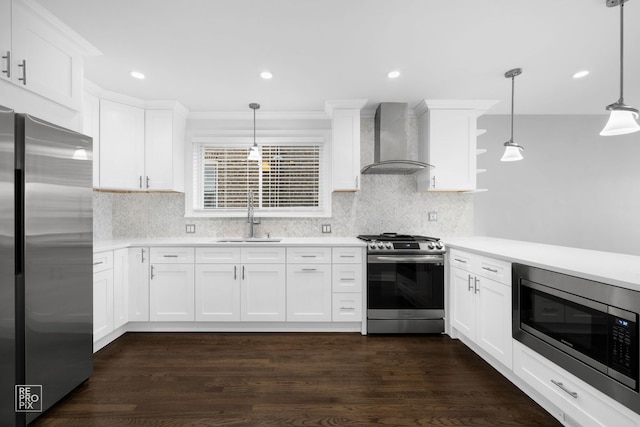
x,y
250,218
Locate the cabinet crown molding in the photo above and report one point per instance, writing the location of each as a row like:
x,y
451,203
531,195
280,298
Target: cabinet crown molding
x,y
481,106
342,104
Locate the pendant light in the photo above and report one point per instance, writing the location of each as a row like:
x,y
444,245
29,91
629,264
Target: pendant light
x,y
512,151
254,153
623,117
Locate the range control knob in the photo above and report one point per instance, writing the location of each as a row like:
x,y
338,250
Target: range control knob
x,y
372,245
431,245
380,245
439,245
388,245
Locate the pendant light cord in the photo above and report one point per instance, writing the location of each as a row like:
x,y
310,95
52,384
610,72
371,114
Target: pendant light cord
x,y
254,126
513,79
621,101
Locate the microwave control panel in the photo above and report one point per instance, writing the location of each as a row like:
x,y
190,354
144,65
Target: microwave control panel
x,y
623,341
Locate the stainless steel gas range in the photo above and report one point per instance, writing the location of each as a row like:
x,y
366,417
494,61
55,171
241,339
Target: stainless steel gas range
x,y
405,284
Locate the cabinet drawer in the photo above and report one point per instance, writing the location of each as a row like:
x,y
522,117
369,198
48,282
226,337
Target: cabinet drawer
x,y
347,255
102,261
263,255
347,307
172,255
586,406
309,255
215,255
495,269
347,278
461,260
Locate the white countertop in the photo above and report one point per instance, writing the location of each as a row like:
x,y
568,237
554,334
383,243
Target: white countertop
x,y
616,269
107,245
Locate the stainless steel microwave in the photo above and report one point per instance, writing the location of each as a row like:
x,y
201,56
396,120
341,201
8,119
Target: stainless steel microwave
x,y
588,328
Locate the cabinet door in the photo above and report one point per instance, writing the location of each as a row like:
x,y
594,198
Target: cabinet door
x,y
51,64
120,287
139,284
309,293
102,304
217,292
158,146
5,39
172,292
263,292
347,307
493,332
452,150
347,277
121,146
346,149
462,302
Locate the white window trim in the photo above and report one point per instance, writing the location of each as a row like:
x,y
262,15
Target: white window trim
x,y
245,139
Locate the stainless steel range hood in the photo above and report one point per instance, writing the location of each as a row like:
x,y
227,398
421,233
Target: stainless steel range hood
x,y
390,154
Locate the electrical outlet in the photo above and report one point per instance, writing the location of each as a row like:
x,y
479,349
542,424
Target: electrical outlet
x,y
190,228
326,228
433,216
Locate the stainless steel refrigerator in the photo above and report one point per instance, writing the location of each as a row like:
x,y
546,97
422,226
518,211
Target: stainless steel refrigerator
x,y
46,255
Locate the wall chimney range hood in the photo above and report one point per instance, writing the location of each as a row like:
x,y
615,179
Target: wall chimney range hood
x,y
390,145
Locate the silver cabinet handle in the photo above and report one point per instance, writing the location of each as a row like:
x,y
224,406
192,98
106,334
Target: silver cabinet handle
x,y
308,269
147,182
476,288
434,181
152,275
563,388
307,256
347,279
8,58
142,255
98,263
243,272
140,181
347,256
469,282
347,308
356,181
460,260
170,256
493,270
235,272
24,72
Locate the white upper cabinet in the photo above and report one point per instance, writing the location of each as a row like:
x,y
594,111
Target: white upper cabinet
x,y
40,54
345,143
141,148
447,134
121,146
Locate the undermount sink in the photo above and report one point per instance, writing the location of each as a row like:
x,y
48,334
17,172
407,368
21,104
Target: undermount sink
x,y
248,239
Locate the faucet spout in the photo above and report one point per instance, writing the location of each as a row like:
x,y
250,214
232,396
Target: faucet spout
x,y
250,215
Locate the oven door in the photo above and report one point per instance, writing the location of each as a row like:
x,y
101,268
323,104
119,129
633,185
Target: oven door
x,y
405,284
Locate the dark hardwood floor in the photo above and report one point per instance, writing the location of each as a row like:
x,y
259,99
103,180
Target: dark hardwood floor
x,y
303,379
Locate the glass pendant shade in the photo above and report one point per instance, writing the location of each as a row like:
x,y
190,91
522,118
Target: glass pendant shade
x,y
254,153
621,122
512,152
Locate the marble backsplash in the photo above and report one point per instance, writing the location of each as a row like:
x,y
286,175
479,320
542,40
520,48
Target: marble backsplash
x,y
385,203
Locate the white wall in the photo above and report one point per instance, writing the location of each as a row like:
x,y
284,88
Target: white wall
x,y
573,188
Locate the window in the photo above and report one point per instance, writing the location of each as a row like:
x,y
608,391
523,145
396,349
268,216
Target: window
x,y
289,181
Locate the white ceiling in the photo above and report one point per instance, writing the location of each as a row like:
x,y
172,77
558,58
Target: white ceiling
x,y
208,54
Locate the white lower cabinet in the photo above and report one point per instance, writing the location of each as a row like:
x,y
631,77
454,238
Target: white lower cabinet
x,y
263,293
102,294
120,287
309,292
347,307
172,284
346,284
481,305
579,403
217,292
139,284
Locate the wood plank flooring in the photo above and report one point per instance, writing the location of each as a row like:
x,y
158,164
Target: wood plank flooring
x,y
293,379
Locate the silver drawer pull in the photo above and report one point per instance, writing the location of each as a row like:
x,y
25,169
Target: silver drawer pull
x,y
469,282
308,256
308,269
460,260
493,270
347,308
170,256
98,263
8,58
563,388
347,279
152,275
347,256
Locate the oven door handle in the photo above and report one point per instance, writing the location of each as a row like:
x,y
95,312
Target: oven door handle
x,y
382,259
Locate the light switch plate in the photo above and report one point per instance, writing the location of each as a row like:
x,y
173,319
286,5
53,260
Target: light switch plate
x,y
190,228
326,228
433,216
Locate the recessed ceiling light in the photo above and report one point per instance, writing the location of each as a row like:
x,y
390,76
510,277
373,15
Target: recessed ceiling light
x,y
266,75
137,75
393,74
581,74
